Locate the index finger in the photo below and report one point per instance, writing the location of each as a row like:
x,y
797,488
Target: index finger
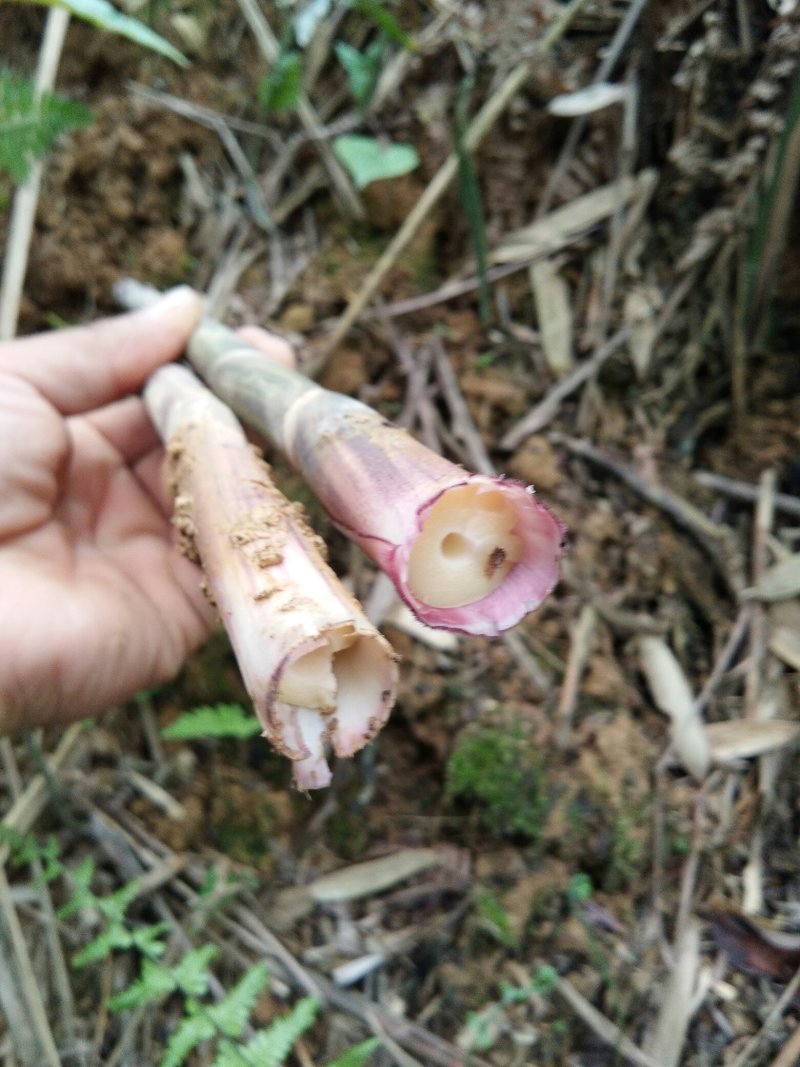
x,y
86,367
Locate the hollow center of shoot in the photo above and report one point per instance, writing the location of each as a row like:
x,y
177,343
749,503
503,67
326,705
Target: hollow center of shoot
x,y
310,680
465,549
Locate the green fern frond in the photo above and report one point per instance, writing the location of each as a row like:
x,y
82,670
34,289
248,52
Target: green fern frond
x,y
217,720
189,976
190,1032
82,896
270,1047
149,940
114,906
25,848
231,1013
358,1055
29,127
114,939
190,973
154,983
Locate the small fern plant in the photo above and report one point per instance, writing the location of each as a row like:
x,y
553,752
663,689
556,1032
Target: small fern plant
x,y
30,123
212,720
222,1024
30,126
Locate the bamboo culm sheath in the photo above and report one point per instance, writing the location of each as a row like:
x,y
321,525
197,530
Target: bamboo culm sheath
x,y
319,675
466,552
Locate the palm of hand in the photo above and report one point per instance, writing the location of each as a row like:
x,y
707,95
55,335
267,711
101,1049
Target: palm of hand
x,y
95,603
94,600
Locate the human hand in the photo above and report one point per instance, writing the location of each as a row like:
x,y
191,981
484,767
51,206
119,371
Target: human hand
x,y
95,601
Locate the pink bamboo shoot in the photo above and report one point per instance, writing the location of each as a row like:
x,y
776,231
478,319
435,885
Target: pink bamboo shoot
x,y
319,675
466,552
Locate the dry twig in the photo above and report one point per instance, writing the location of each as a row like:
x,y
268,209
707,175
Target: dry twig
x,y
789,1055
715,540
602,1026
719,483
33,1038
547,408
610,58
580,647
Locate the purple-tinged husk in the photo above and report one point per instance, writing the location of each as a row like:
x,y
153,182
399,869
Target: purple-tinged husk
x,y
319,675
466,552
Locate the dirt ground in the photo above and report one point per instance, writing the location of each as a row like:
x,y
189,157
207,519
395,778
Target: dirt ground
x,y
613,874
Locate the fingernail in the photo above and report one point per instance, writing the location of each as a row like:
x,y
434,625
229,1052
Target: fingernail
x,y
182,299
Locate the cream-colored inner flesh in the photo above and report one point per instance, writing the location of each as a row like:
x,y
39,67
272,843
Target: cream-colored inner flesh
x,y
466,548
310,680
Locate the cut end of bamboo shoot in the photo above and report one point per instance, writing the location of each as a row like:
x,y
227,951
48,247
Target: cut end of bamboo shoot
x,y
466,552
466,548
486,554
335,697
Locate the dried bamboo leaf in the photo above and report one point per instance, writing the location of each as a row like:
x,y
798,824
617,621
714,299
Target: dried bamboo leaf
x,y
668,684
588,100
374,876
673,695
554,314
562,225
779,582
785,644
690,741
746,738
401,616
640,306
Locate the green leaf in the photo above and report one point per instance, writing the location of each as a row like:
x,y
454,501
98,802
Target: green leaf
x,y
190,973
149,940
580,889
82,896
113,939
29,127
218,720
16,842
116,904
544,981
270,1047
188,1034
52,866
155,982
496,919
369,160
189,976
106,17
26,848
230,1014
362,68
471,198
385,21
358,1055
281,88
